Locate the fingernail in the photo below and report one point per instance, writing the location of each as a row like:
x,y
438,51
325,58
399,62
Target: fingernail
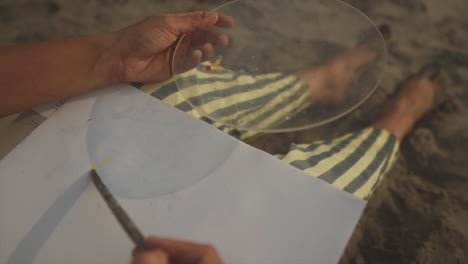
x,y
211,17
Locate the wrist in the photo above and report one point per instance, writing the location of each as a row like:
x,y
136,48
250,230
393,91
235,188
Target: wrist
x,y
108,67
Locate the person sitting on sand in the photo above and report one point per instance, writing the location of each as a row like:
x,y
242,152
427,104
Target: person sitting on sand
x,y
36,74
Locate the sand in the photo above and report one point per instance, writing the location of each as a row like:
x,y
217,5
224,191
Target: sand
x,y
420,212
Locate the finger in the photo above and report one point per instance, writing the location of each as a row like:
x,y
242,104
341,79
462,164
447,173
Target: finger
x,y
188,62
186,57
222,41
184,251
218,39
150,257
208,51
189,22
224,21
194,58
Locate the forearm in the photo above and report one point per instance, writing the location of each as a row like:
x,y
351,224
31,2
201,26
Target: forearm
x,y
36,74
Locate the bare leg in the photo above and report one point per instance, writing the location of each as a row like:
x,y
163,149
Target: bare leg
x,y
328,83
413,101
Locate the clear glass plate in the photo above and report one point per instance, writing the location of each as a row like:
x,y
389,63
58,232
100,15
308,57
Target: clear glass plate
x,y
287,65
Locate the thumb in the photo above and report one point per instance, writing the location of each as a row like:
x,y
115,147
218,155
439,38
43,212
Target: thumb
x,y
150,257
189,22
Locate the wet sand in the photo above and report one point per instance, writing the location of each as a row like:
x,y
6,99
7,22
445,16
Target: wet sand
x,y
420,212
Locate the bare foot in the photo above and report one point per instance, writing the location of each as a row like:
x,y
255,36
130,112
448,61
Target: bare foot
x,y
413,101
328,83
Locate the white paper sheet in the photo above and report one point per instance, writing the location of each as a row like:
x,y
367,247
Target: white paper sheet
x,y
175,175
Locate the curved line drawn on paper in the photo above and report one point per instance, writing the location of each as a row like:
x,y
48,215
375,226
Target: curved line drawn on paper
x,y
156,150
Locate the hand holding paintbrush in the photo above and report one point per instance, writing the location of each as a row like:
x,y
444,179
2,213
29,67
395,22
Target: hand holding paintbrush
x,y
154,250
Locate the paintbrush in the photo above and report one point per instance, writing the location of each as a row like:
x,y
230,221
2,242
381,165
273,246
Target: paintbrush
x,y
125,221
